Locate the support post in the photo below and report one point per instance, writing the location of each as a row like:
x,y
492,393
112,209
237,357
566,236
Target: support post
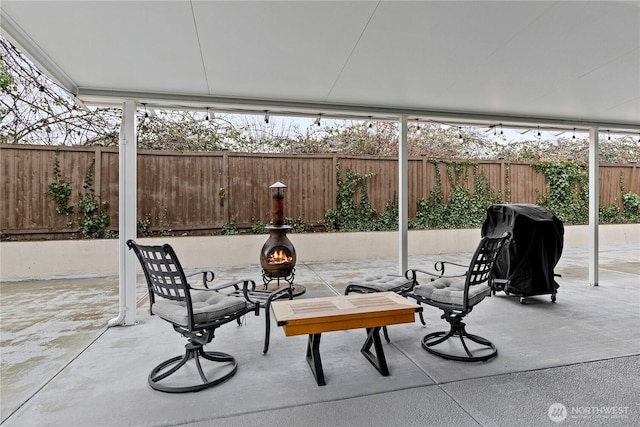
x,y
127,196
594,205
403,202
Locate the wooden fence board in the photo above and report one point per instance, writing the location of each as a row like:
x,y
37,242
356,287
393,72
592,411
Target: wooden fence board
x,y
204,191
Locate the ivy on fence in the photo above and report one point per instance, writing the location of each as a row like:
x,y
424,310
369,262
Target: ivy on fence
x,y
93,217
350,215
464,207
568,196
60,190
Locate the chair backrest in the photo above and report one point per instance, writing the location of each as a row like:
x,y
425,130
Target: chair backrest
x,y
482,262
163,272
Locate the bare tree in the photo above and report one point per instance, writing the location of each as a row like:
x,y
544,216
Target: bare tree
x,y
34,110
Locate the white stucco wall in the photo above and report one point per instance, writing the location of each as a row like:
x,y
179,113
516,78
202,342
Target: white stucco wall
x,y
86,258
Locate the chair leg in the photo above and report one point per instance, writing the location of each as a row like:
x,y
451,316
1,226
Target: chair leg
x,y
422,318
267,332
193,351
486,352
267,316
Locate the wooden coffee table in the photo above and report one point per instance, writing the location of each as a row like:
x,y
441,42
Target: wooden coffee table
x,y
372,311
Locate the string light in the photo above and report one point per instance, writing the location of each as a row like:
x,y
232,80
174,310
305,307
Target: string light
x,y
460,135
370,123
207,118
266,116
417,125
574,134
538,131
608,136
317,123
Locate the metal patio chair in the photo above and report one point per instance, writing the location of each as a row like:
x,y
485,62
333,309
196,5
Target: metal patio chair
x,y
194,313
263,297
382,283
456,295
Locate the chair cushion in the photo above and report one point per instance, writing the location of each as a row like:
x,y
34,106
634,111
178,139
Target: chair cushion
x,y
451,291
208,306
383,283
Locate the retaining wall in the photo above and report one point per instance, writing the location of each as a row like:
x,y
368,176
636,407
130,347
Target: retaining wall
x,y
89,258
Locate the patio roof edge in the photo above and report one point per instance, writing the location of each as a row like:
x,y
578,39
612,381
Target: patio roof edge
x,y
93,96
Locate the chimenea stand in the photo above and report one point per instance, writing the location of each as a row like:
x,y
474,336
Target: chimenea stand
x,y
278,256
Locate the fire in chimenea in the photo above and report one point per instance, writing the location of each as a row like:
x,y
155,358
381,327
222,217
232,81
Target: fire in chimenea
x,y
279,256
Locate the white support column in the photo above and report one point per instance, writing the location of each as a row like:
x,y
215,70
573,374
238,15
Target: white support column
x,y
403,202
594,205
127,215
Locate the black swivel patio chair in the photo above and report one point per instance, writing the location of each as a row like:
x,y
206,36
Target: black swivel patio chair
x,y
456,295
194,313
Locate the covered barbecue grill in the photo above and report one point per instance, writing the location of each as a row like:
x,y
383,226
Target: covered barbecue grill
x,y
525,264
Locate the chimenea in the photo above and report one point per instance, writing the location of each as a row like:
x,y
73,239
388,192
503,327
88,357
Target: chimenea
x,y
278,256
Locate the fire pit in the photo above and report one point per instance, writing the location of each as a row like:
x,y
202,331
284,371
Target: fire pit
x,y
278,256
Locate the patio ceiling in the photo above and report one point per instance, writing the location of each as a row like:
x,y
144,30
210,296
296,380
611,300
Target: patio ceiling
x,y
564,63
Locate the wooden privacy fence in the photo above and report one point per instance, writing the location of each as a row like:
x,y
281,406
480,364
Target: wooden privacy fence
x,y
204,191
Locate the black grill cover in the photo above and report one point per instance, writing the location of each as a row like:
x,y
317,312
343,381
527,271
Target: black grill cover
x,y
528,258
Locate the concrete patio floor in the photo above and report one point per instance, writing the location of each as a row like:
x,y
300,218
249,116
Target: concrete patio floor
x,y
62,367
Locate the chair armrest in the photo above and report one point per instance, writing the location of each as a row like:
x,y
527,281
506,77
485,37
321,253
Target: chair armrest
x,y
236,285
245,290
439,266
207,276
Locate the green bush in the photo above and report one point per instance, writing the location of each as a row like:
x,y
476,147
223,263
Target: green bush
x,y
631,207
228,229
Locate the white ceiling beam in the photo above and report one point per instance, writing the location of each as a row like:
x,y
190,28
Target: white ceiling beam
x,y
257,106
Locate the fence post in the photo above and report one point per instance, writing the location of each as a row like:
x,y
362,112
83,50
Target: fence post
x,y
224,191
502,176
334,184
424,190
97,172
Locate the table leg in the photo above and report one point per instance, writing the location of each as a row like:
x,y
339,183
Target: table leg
x,y
378,360
313,358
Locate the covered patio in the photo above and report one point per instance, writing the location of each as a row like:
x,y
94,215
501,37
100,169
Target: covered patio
x,y
581,352
559,65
